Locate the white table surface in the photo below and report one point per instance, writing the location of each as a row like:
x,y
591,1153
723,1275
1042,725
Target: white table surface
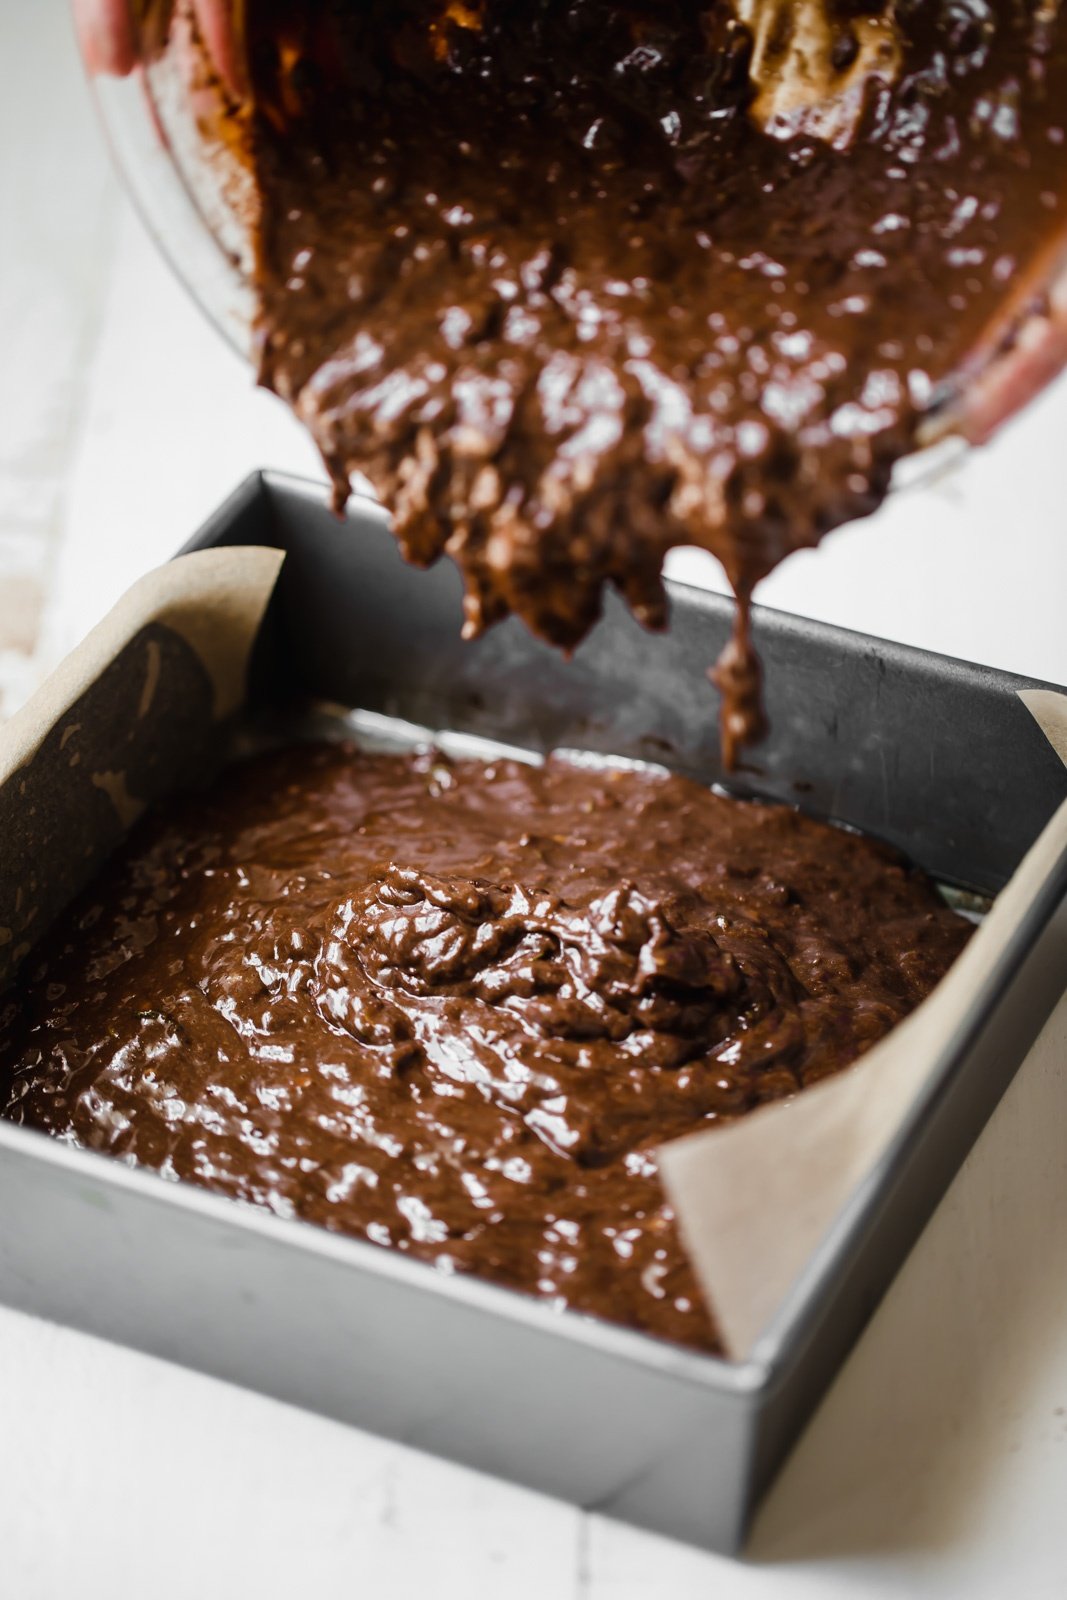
x,y
938,1464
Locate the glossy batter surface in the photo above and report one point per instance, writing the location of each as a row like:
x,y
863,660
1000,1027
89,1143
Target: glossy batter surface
x,y
574,281
454,1008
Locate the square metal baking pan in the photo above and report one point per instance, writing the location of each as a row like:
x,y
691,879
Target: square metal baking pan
x,y
934,755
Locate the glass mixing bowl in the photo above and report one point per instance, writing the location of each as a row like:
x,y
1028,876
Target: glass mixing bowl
x,y
179,148
180,143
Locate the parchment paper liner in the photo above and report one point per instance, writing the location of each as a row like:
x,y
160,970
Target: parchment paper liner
x,y
131,712
755,1198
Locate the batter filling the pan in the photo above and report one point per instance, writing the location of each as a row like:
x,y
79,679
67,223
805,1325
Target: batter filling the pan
x,y
575,281
454,1007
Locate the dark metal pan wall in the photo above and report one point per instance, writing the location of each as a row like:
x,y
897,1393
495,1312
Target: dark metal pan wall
x,y
933,754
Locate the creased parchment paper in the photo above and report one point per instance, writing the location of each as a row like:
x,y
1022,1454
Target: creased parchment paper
x,y
755,1198
124,718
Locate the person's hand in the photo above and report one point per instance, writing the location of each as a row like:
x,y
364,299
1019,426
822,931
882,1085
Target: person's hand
x,y
1038,354
110,38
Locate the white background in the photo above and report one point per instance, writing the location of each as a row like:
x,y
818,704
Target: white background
x,y
938,1465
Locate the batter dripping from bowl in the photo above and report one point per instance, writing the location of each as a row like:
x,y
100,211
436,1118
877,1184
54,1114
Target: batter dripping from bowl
x,y
572,282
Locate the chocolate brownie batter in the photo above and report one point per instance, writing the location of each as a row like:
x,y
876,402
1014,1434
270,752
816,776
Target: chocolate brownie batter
x,y
574,281
453,1007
